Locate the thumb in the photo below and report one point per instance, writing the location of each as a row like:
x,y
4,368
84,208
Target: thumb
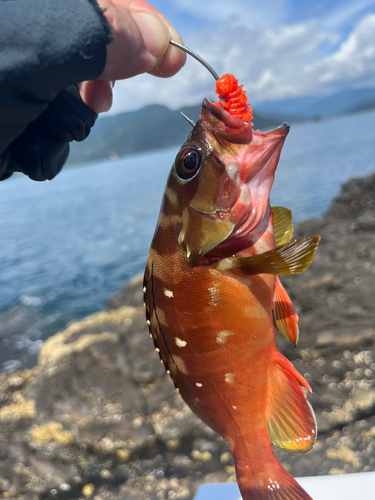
x,y
140,41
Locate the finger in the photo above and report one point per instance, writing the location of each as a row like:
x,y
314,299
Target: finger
x,y
97,94
174,58
141,41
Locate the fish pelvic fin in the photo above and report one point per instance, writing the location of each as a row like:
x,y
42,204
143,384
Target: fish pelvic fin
x,y
290,418
282,225
284,314
292,258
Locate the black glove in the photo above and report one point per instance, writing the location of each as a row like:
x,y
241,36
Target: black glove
x,y
43,148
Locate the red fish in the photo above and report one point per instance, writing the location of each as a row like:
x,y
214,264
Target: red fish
x,y
213,295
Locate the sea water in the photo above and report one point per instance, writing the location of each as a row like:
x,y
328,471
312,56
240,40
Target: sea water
x,y
67,245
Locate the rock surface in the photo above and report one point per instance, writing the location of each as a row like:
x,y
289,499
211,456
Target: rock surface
x,y
99,418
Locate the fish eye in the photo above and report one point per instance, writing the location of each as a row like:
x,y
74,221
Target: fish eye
x,y
188,162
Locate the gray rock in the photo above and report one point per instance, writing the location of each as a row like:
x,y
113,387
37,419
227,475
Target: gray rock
x,y
99,418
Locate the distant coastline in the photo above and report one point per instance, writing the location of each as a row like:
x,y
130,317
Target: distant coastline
x,y
158,127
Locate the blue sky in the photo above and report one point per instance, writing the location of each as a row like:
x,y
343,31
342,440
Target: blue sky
x,y
277,49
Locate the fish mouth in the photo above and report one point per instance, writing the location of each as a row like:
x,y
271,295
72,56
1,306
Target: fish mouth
x,y
224,125
263,157
218,211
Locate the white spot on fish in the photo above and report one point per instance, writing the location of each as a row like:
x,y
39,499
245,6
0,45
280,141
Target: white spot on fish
x,y
171,196
168,293
234,407
214,296
144,289
222,336
198,384
229,377
274,485
179,362
148,322
157,349
180,343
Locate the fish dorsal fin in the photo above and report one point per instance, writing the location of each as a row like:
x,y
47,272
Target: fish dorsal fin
x,y
282,225
284,314
290,419
292,258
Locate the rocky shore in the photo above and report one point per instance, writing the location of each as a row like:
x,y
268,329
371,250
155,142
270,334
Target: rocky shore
x,y
99,418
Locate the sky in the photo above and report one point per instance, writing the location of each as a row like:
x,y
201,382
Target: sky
x,y
276,48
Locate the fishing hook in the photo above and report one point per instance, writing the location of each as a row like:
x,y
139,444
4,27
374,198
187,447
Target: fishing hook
x,y
190,122
199,59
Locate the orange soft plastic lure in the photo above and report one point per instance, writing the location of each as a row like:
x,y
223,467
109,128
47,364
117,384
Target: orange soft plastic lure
x,y
233,98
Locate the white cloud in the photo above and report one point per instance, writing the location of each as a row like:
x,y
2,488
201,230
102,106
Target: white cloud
x,y
251,12
354,58
345,12
271,63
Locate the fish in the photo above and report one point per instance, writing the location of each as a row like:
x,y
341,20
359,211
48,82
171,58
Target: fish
x,y
213,295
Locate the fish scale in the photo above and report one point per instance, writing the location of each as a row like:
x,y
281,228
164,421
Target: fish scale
x,y
213,297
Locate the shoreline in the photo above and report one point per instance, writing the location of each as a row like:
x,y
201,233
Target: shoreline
x,y
99,418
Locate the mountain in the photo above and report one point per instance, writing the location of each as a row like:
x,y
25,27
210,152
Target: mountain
x,y
364,105
157,126
152,127
309,107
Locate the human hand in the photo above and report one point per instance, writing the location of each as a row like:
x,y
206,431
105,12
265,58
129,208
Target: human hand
x,y
140,44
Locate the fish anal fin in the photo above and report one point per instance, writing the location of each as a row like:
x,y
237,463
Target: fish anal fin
x,y
292,258
290,419
285,316
282,225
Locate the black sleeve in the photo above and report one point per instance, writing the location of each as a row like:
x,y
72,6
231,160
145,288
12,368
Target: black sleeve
x,y
45,47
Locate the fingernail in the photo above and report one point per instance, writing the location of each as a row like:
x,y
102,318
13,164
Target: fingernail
x,y
154,33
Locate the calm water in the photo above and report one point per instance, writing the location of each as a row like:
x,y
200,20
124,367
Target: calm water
x,y
68,244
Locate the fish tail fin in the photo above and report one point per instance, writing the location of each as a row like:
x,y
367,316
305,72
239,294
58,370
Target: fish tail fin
x,y
282,486
272,483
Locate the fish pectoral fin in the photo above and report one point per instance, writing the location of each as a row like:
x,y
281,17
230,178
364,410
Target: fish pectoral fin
x,y
292,258
282,225
290,419
284,314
